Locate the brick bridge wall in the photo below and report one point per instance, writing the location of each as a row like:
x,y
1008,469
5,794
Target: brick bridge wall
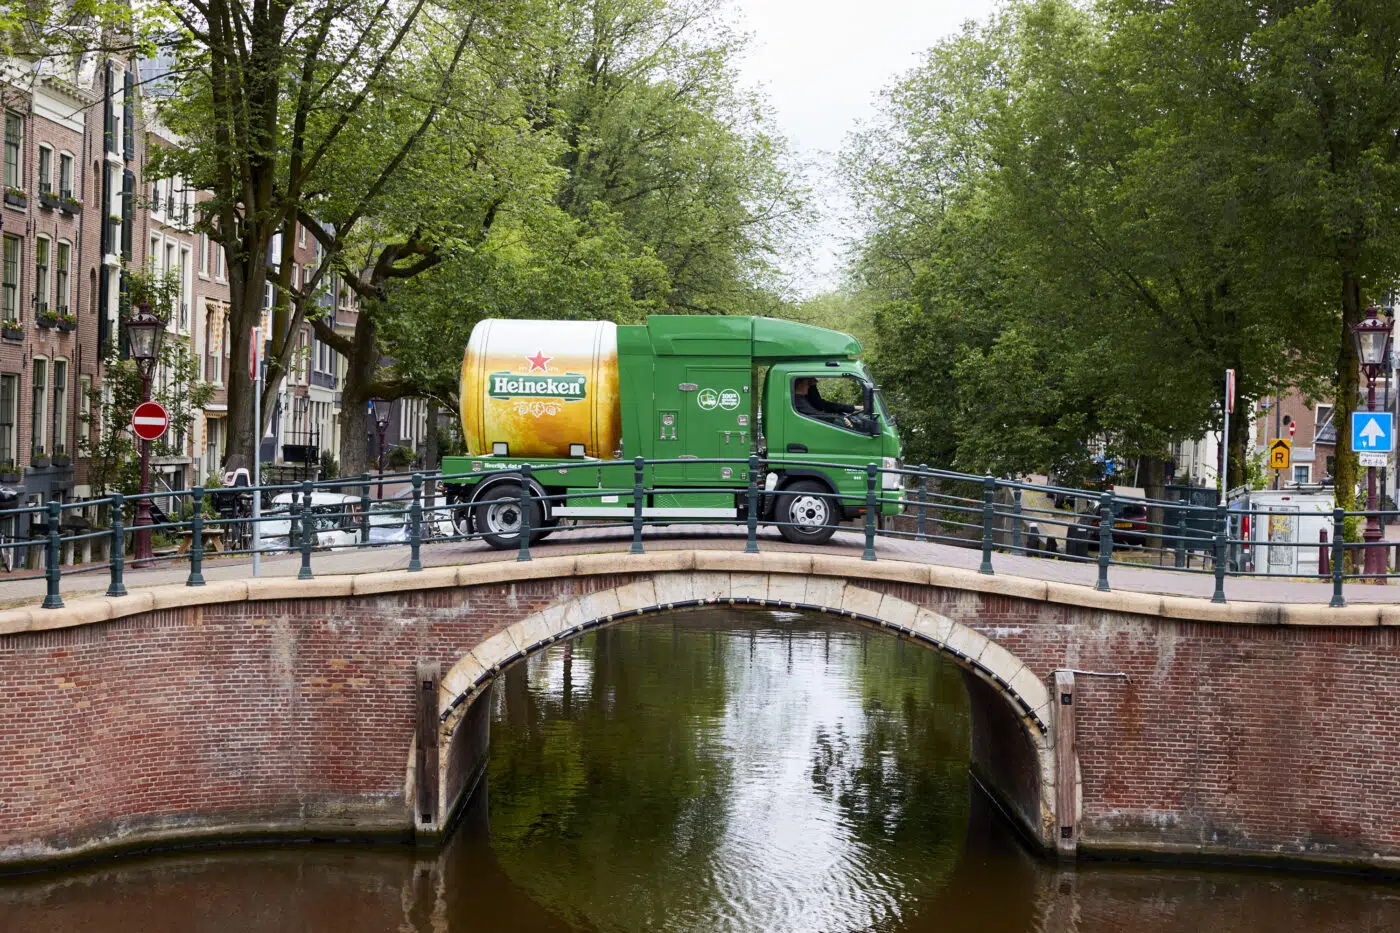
x,y
285,708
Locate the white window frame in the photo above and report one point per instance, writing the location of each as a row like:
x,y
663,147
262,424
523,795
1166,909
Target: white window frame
x,y
18,292
82,429
12,429
61,300
204,255
220,267
38,428
39,167
42,282
68,160
1307,474
58,414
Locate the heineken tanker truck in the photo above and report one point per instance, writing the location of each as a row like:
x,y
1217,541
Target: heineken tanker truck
x,y
579,400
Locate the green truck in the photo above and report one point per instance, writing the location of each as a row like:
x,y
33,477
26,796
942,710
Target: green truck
x,y
695,397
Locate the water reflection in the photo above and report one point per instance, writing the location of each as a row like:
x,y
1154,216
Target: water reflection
x,y
723,770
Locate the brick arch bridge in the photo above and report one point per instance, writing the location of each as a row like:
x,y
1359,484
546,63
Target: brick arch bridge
x,y
280,708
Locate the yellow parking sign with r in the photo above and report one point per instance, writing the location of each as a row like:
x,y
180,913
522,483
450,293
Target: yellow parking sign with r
x,y
1280,453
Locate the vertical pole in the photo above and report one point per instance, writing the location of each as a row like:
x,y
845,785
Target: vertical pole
x,y
415,525
1016,547
527,507
1374,560
751,547
871,507
142,550
1222,527
1066,774
196,577
1339,530
1225,440
1180,534
308,531
638,501
364,508
117,559
52,562
1105,540
989,493
257,450
426,759
923,497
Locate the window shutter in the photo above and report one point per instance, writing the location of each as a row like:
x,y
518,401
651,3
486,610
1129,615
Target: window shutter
x,y
128,187
129,118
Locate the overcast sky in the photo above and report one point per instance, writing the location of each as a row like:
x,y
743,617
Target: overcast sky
x,y
822,64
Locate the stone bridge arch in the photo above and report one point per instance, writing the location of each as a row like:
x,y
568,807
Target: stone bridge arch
x,y
1013,751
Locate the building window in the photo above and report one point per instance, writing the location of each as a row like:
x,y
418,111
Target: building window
x,y
84,426
1324,414
9,417
37,413
1302,474
60,405
301,235
65,174
45,170
62,260
9,280
204,255
14,150
184,271
41,274
219,262
157,197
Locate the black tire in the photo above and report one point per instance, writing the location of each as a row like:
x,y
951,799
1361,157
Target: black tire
x,y
496,516
806,512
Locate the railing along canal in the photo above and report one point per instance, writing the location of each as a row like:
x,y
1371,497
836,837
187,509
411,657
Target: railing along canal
x,y
982,512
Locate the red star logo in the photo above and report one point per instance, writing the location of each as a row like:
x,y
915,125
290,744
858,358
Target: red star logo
x,y
539,361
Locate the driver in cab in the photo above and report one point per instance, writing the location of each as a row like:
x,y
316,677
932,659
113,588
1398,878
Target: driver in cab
x,y
806,400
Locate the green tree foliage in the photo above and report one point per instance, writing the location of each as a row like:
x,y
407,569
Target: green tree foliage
x,y
1080,217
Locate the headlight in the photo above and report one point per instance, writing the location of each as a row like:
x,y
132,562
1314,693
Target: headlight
x,y
890,480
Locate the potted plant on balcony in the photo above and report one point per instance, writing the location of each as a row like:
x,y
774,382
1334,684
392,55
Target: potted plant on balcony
x,y
44,317
15,197
9,473
69,204
61,458
11,330
67,320
48,199
40,460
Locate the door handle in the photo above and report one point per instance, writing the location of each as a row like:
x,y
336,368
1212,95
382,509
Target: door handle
x,y
797,448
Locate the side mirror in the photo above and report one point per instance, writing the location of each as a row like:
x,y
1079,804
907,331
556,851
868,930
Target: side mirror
x,y
868,406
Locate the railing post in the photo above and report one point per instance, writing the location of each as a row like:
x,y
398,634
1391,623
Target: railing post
x,y
989,495
52,561
196,577
415,525
116,561
752,546
364,508
308,531
527,506
638,502
1339,532
1105,540
1222,527
1324,566
923,497
1180,535
871,475
1016,547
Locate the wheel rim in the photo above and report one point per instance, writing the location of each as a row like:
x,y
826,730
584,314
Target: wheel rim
x,y
808,513
503,518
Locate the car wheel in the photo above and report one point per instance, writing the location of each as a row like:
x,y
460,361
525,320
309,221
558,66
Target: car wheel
x,y
805,511
497,516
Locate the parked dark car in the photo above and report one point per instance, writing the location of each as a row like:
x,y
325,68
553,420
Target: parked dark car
x,y
1129,527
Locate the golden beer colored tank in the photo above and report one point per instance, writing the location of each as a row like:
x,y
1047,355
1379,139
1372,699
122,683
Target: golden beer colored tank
x,y
540,387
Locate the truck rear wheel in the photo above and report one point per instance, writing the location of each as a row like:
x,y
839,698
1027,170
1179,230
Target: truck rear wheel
x,y
805,512
497,517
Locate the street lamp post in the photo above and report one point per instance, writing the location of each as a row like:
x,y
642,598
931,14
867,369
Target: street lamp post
x,y
1372,336
143,333
381,421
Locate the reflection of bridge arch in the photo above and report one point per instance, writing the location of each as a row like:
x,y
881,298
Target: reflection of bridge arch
x,y
1013,744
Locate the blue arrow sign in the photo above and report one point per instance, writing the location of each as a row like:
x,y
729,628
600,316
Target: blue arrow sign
x,y
1372,432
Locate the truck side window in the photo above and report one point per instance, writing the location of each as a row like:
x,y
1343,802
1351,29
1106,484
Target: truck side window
x,y
835,400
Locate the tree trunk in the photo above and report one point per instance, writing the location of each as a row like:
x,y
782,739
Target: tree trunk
x,y
1348,386
431,455
245,313
360,368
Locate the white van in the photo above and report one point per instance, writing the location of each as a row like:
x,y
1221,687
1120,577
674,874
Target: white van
x,y
1285,541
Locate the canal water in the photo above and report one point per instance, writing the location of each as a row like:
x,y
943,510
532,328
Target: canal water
x,y
716,770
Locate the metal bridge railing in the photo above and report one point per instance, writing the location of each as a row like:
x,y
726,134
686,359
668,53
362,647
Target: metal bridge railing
x,y
978,512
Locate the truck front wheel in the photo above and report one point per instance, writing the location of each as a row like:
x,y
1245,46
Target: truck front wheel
x,y
804,512
497,517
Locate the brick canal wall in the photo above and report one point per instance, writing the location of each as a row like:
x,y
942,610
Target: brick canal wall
x,y
1248,735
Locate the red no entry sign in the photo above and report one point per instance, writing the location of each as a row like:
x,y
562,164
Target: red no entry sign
x,y
149,420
